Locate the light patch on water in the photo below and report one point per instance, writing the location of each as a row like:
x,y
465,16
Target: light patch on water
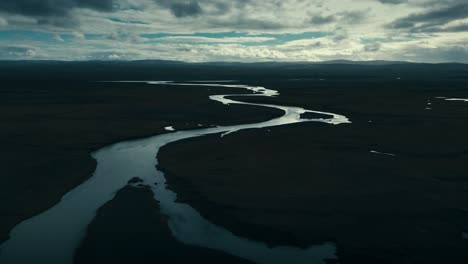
x,y
382,153
457,99
453,99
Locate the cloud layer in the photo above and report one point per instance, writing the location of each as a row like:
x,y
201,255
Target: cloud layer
x,y
235,30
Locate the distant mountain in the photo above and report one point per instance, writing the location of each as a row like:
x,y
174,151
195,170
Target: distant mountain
x,y
149,62
372,62
347,62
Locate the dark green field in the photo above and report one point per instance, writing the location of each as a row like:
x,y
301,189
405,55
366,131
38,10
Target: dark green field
x,y
293,185
49,128
313,182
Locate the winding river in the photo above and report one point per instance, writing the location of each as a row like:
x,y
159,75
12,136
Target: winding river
x,y
54,235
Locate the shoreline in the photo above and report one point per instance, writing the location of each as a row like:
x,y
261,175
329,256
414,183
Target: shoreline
x,y
131,229
344,193
77,146
40,115
118,162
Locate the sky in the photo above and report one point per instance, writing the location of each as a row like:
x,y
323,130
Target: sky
x,y
235,30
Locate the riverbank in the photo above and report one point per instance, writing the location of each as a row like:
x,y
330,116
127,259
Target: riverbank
x,y
49,128
388,188
131,229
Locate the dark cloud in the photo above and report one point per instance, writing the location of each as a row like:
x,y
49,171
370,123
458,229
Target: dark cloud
x,y
35,7
317,44
321,20
182,8
242,23
432,19
58,21
354,17
222,8
192,8
52,7
340,35
53,12
457,28
348,17
101,5
186,9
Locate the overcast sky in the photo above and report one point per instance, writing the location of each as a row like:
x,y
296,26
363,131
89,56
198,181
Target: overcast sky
x,y
235,30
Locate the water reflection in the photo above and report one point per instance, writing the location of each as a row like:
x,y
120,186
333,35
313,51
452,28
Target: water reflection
x,y
53,236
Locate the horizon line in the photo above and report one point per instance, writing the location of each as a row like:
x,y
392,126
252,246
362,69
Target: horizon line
x,y
338,61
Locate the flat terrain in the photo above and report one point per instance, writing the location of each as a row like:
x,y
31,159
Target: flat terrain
x,y
294,185
309,183
130,229
49,128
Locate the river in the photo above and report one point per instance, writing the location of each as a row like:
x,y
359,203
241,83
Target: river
x,y
54,235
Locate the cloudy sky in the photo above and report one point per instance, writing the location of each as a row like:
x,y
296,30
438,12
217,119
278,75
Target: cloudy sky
x,y
235,30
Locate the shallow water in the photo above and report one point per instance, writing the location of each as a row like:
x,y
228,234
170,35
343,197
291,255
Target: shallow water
x,y
54,235
382,153
453,99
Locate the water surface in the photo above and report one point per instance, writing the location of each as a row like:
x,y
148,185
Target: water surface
x,y
54,235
